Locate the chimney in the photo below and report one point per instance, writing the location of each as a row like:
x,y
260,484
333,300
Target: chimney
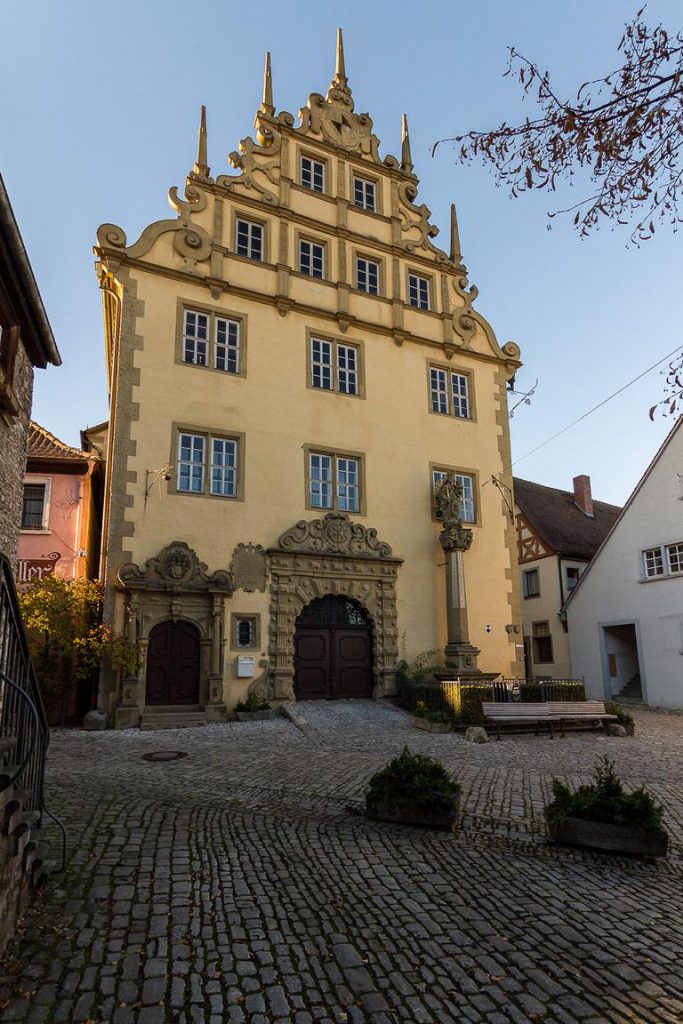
x,y
582,495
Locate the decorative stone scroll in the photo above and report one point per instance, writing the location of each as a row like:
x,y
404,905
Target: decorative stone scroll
x,y
176,567
248,567
335,534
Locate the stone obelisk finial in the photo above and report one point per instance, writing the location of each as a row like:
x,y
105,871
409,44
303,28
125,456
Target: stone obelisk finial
x,y
201,167
456,254
340,64
406,156
267,106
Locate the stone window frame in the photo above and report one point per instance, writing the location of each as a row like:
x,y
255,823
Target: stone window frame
x,y
235,619
461,371
359,254
442,467
526,593
321,449
431,289
251,218
184,304
324,245
209,433
306,154
335,341
368,179
36,479
538,638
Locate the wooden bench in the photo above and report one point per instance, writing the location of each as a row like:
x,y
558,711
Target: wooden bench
x,y
550,713
518,713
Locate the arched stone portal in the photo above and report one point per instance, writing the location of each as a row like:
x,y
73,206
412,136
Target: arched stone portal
x,y
332,556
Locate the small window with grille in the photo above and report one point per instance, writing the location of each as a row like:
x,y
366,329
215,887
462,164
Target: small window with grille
x,y
245,632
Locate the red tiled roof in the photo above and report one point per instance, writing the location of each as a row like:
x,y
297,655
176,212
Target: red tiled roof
x,y
44,445
564,527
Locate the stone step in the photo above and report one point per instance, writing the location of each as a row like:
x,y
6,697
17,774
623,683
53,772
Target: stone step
x,y
173,709
157,721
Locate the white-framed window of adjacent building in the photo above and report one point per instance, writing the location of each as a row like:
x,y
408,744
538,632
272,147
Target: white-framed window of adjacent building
x,y
208,463
572,575
449,392
312,174
35,505
663,560
334,480
367,275
311,258
249,239
469,491
365,194
419,291
213,340
334,365
531,583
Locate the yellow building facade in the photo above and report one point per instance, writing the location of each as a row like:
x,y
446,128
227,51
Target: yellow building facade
x,y
293,367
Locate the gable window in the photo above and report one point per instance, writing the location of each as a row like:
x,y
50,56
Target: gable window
x,y
211,340
34,507
468,508
654,562
334,481
334,366
665,560
207,464
365,194
542,642
249,239
449,392
418,291
674,555
311,258
531,585
367,275
312,174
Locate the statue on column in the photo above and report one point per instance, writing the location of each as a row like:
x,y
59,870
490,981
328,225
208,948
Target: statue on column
x,y
448,500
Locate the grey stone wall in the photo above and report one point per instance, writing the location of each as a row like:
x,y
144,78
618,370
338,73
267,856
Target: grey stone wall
x,y
13,447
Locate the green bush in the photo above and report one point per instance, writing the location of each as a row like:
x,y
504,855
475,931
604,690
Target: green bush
x,y
417,782
252,703
623,717
537,693
471,700
606,801
438,717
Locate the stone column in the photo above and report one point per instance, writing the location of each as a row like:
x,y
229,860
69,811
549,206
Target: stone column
x,y
215,704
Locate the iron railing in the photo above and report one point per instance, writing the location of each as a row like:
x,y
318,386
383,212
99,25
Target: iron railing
x,y
448,696
22,715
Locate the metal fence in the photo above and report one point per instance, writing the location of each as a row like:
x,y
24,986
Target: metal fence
x,y
452,697
22,716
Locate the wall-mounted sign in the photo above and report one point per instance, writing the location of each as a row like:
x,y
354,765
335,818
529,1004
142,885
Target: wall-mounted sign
x,y
33,570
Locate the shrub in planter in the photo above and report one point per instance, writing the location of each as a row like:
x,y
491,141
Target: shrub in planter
x,y
603,816
431,721
414,789
623,717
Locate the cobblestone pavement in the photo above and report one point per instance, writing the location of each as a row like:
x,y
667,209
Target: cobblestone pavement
x,y
234,886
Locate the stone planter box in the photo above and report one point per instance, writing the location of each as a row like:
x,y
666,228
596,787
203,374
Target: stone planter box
x,y
445,822
599,835
424,723
257,716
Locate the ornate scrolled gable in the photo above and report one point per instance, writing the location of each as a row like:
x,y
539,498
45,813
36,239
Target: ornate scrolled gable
x,y
335,534
177,568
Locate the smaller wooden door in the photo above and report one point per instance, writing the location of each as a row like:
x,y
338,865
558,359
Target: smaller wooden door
x,y
173,664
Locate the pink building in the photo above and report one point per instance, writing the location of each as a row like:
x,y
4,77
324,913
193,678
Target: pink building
x,y
62,509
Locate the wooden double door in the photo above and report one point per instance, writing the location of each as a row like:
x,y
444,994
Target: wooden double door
x,y
173,655
333,651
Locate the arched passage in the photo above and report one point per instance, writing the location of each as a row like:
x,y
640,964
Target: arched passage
x,y
333,650
173,664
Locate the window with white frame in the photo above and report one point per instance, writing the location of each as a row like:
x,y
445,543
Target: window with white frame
x,y
664,560
365,194
203,332
249,239
468,508
334,366
418,291
34,506
219,477
449,392
311,258
367,275
334,481
531,584
312,174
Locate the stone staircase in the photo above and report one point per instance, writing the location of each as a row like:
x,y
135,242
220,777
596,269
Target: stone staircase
x,y
180,716
632,692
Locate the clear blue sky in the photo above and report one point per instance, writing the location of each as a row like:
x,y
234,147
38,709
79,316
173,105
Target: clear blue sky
x,y
99,115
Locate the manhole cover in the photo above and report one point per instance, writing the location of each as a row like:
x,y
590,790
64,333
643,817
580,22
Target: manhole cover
x,y
164,755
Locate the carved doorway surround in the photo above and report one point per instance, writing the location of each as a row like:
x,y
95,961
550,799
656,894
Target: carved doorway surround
x,y
175,587
337,556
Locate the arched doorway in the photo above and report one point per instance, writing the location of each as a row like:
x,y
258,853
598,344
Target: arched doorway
x,y
173,664
333,650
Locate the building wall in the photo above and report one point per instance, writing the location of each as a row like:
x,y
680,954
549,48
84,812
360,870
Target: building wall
x,y
13,443
545,608
68,514
615,591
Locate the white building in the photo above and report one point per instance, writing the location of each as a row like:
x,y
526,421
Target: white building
x,y
625,615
